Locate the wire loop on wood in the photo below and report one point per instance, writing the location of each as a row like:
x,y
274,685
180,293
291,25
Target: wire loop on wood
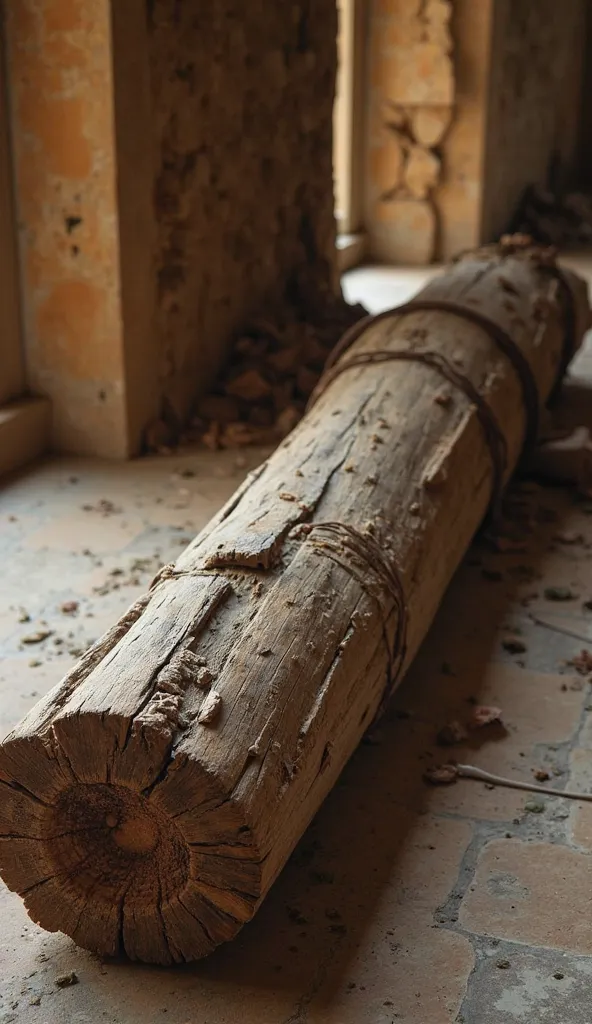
x,y
498,335
494,436
364,557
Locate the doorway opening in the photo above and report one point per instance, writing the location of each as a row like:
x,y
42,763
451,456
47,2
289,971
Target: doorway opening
x,y
348,130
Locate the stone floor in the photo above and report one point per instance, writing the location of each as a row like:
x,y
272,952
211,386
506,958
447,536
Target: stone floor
x,y
403,902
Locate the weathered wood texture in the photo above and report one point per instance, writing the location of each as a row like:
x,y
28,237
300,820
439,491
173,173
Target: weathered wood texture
x,y
151,799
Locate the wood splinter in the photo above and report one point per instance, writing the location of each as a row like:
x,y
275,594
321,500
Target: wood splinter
x,y
149,801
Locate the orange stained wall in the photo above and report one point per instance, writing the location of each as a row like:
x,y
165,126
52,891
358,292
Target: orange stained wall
x,y
59,56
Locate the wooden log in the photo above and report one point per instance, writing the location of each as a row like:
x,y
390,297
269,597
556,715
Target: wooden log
x,y
150,800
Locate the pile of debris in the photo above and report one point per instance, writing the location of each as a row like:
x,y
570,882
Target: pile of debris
x,y
554,219
262,393
271,373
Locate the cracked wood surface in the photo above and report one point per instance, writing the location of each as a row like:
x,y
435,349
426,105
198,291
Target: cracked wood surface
x,y
150,800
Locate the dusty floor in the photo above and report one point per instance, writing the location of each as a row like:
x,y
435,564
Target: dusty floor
x,y
402,902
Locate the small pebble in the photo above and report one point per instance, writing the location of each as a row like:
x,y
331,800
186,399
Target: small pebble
x,y
569,537
493,575
36,638
66,980
534,806
451,734
68,607
503,965
513,646
559,594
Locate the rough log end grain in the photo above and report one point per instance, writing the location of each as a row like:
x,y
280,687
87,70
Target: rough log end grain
x,y
106,836
150,800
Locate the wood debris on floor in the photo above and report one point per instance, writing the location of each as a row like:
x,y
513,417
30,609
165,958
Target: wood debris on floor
x,y
554,218
273,367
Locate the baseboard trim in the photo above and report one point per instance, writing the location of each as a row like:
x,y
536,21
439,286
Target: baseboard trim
x,y
351,250
24,432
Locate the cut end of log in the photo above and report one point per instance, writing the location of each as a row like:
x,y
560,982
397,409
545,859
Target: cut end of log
x,y
126,872
111,848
